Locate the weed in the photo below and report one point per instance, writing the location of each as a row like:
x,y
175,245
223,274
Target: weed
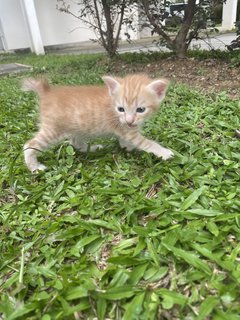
x,y
117,235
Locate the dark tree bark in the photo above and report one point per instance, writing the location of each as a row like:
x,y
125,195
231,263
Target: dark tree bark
x,y
180,43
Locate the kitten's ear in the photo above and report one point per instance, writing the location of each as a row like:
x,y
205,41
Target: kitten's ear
x,y
112,84
159,87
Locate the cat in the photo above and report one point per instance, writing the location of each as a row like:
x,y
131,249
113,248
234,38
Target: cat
x,y
78,112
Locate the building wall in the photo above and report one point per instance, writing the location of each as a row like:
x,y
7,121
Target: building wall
x,y
59,27
229,14
13,24
56,27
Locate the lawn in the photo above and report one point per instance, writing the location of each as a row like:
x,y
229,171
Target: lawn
x,y
117,235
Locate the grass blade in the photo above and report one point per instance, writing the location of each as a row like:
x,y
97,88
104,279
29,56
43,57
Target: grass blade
x,y
192,198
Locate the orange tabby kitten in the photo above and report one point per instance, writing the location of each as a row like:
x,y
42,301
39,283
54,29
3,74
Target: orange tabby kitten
x,y
79,112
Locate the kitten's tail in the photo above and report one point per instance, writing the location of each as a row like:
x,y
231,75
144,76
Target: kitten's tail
x,y
40,86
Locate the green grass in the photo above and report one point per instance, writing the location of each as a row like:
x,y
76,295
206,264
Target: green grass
x,y
117,235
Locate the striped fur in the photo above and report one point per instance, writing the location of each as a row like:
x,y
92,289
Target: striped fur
x,y
79,112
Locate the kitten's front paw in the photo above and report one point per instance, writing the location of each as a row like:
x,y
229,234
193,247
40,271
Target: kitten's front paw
x,y
37,168
165,154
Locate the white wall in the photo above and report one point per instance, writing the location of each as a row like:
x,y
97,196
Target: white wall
x,y
13,24
229,14
132,14
55,27
58,27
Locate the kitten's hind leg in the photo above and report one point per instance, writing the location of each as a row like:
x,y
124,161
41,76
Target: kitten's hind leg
x,y
39,143
78,143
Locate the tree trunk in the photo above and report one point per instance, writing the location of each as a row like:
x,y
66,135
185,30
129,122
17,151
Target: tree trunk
x,y
179,46
110,45
181,43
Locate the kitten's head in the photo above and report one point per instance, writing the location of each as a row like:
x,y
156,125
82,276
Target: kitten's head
x,y
135,97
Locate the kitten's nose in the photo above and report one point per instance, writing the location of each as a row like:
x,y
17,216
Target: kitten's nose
x,y
129,119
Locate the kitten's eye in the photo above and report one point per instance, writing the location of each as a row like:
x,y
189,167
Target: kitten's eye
x,y
140,109
121,109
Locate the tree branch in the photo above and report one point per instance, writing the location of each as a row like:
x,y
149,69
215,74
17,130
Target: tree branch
x,y
157,27
188,18
100,25
123,6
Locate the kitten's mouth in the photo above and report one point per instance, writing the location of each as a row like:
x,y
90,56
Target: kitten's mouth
x,y
131,125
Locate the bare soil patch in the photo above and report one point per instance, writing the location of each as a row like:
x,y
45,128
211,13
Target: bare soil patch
x,y
210,75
